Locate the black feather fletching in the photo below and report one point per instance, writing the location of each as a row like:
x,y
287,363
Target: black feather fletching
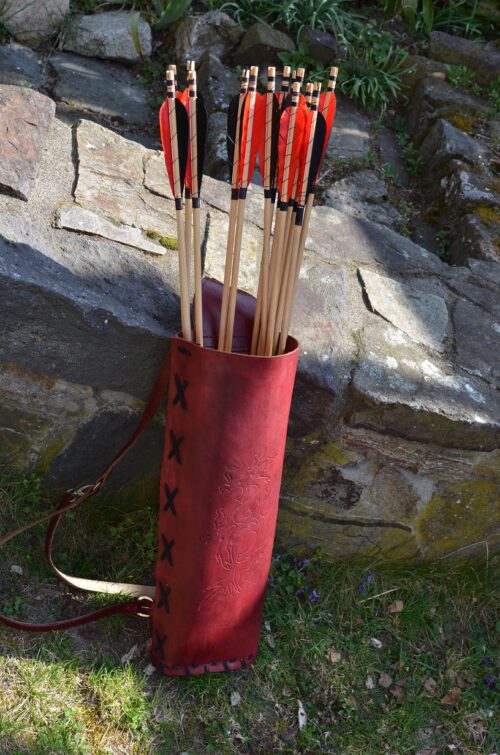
x,y
316,153
182,122
287,101
275,130
201,135
232,121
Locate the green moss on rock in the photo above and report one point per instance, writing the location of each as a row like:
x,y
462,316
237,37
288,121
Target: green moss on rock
x,y
169,242
459,514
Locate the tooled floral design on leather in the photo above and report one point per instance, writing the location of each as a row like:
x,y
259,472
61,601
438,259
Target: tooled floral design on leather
x,y
238,523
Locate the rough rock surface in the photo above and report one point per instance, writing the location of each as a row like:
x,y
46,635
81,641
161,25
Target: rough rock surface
x,y
192,36
435,98
393,439
454,131
475,237
423,317
216,164
20,66
76,218
419,68
483,59
321,45
444,142
363,195
218,83
261,45
33,21
351,132
25,118
108,35
104,88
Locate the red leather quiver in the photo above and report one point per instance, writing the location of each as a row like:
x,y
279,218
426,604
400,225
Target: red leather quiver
x,y
225,433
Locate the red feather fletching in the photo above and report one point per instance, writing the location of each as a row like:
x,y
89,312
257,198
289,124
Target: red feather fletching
x,y
298,135
273,144
182,140
303,156
258,132
166,143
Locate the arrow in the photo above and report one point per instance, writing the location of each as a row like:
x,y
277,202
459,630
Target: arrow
x,y
174,136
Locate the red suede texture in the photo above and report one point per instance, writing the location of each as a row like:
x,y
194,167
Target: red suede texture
x,y
225,433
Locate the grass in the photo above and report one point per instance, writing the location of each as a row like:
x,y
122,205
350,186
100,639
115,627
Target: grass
x,y
383,658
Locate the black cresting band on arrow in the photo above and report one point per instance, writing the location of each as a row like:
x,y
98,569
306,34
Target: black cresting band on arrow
x,y
235,194
283,206
268,193
299,215
187,194
242,193
178,203
196,203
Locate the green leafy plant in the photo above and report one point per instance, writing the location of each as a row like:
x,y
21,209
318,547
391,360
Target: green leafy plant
x,y
333,16
404,223
459,17
409,10
413,158
373,73
389,174
4,29
166,12
246,12
460,76
160,13
316,71
463,77
443,242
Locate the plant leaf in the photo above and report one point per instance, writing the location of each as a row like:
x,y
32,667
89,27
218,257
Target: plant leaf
x,y
134,31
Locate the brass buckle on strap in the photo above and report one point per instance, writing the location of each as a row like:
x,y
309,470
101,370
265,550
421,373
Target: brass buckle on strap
x,y
79,492
149,601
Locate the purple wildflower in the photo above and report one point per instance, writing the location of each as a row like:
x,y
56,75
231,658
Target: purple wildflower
x,y
313,597
277,557
304,563
298,592
364,584
487,661
490,681
269,580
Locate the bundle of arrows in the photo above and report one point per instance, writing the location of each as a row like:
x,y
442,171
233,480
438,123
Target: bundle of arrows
x,y
287,133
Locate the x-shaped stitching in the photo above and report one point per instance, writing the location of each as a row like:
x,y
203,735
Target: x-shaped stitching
x,y
181,388
176,447
170,499
167,547
160,641
163,602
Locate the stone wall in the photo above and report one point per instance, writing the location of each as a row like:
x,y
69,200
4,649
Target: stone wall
x,y
393,440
